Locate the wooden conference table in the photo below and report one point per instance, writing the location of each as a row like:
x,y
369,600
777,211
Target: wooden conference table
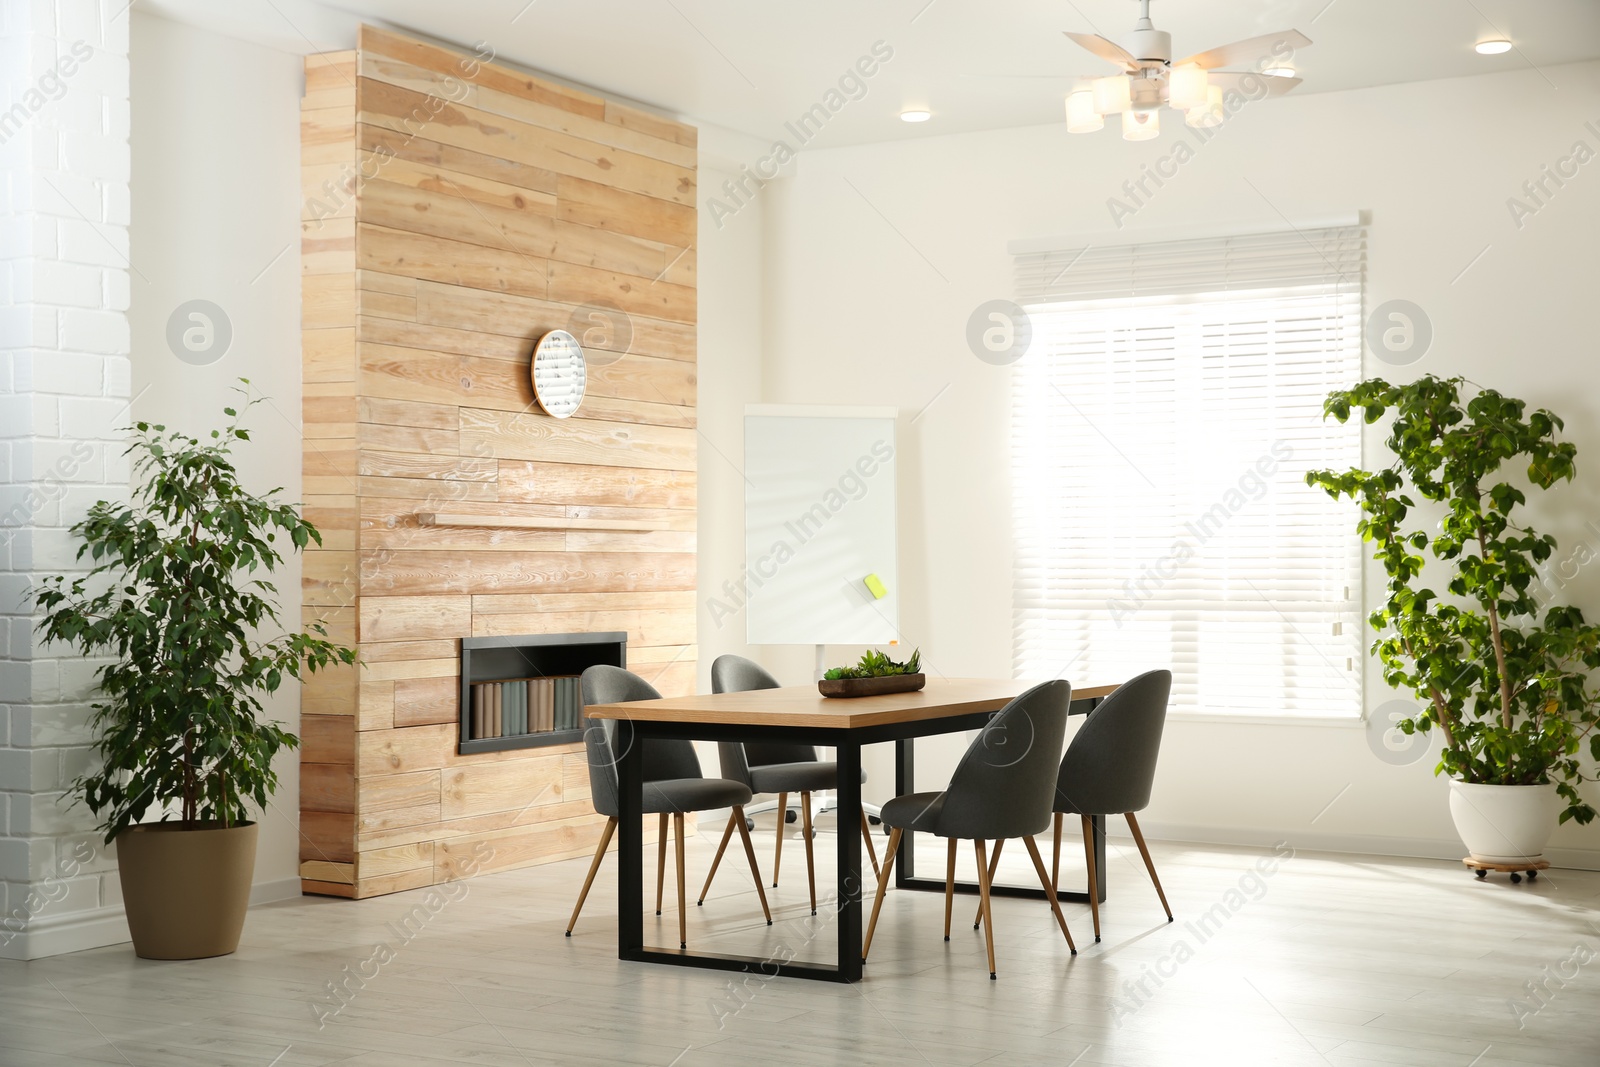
x,y
801,714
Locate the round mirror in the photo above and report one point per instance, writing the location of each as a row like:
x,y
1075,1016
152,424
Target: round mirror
x,y
559,376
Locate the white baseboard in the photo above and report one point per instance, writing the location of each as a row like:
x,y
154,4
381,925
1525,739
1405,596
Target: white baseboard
x,y
272,892
76,931
1449,849
73,931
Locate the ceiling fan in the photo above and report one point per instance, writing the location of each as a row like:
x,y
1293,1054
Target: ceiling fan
x,y
1150,79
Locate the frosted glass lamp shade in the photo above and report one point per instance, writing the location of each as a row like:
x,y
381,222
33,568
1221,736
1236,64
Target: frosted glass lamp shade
x,y
1210,113
1186,89
1113,95
1081,115
1141,125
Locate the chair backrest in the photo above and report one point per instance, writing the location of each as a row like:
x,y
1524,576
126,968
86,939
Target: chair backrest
x,y
1002,786
735,674
663,758
1111,764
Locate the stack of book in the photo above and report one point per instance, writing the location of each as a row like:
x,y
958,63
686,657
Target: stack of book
x,y
515,706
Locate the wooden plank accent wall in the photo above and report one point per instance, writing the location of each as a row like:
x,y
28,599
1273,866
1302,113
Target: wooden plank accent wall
x,y
455,211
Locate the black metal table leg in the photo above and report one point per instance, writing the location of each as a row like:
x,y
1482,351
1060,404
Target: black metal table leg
x,y
630,842
905,781
848,754
1099,888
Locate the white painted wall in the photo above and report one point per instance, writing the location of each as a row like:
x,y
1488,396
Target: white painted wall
x,y
728,259
216,210
876,255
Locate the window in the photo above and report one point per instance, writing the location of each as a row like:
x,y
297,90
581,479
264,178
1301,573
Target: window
x,y
1162,424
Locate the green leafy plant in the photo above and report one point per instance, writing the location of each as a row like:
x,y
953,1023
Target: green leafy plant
x,y
875,664
1510,693
171,600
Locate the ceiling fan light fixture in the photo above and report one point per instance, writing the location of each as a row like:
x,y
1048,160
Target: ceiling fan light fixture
x,y
1494,47
1186,88
1081,115
1113,95
1151,79
1210,113
1141,125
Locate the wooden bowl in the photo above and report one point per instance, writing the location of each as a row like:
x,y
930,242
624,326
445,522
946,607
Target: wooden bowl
x,y
871,687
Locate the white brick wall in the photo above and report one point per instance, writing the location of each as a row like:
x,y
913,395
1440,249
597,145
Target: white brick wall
x,y
64,389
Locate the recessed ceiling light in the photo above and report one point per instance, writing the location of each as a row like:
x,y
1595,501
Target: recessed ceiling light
x,y
1493,48
915,116
1280,72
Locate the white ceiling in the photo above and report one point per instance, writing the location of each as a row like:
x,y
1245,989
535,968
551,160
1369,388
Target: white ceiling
x,y
977,64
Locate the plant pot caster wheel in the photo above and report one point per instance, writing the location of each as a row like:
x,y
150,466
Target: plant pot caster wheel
x,y
1530,868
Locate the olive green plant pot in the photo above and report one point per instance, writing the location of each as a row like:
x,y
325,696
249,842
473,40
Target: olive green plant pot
x,y
185,887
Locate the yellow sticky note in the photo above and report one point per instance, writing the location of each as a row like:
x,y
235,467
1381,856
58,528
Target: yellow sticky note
x,y
876,587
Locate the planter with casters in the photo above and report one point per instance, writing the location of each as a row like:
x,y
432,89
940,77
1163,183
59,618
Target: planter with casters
x,y
185,887
1507,679
1504,825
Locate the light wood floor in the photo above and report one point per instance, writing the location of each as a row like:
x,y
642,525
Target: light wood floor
x,y
1332,960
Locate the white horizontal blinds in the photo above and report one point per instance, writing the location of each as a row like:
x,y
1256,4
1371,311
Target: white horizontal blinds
x,y
1160,444
1317,257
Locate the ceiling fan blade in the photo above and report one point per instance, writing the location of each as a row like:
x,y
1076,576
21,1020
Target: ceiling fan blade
x,y
1228,80
1109,51
1252,52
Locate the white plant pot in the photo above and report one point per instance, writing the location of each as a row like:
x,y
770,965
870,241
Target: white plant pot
x,y
1504,823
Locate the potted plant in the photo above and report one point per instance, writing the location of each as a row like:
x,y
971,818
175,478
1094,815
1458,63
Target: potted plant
x,y
178,603
1504,677
873,675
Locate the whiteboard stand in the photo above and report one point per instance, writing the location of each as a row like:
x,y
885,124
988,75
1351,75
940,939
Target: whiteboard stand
x,y
820,482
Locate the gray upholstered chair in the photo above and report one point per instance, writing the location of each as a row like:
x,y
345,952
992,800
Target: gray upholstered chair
x,y
774,767
673,785
1109,770
1000,790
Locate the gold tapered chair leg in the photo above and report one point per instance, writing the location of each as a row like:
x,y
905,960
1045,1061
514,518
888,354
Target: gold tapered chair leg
x,y
750,854
983,896
1055,854
949,887
883,886
661,861
811,869
1094,883
1049,891
683,897
994,867
1138,839
777,851
599,854
866,835
727,835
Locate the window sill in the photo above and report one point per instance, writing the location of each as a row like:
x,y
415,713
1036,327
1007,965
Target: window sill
x,y
1340,721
